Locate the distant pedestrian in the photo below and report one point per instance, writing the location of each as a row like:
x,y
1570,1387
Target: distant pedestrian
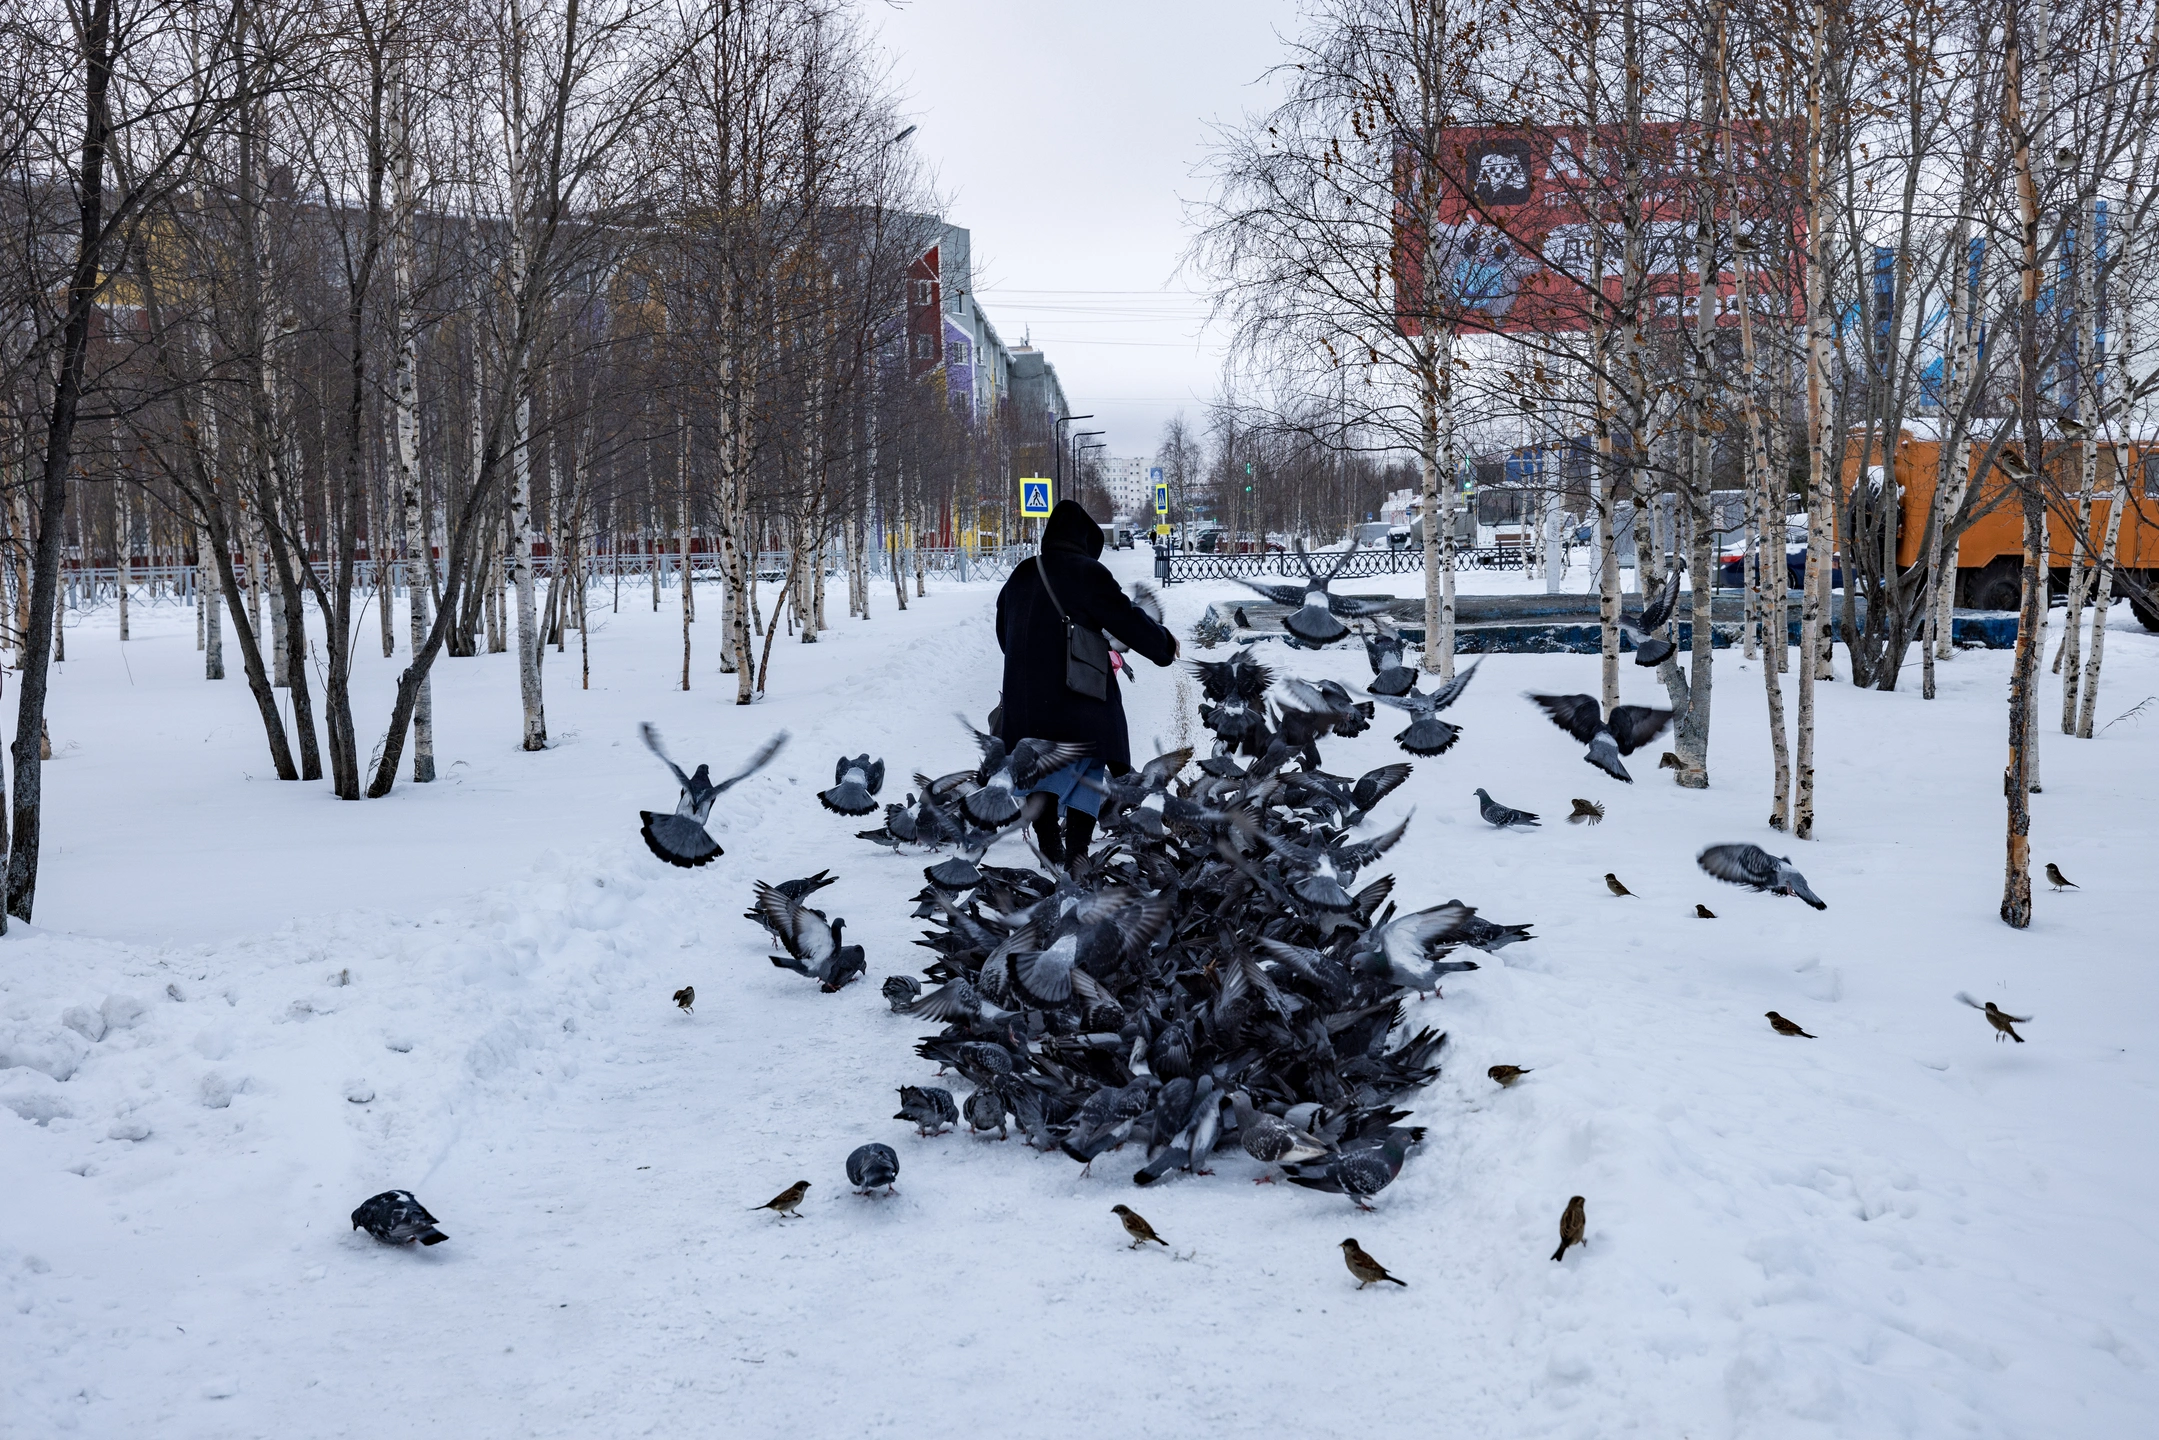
x,y
1033,619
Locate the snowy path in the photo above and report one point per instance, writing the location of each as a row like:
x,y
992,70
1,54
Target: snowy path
x,y
1898,1229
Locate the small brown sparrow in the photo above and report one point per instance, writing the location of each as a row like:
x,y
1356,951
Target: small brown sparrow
x,y
2000,1019
786,1201
1367,1270
686,997
1611,883
2058,880
1506,1075
1586,811
1785,1027
1136,1226
1570,1226
1703,912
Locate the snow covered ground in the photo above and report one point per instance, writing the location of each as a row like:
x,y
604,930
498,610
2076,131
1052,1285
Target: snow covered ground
x,y
278,1005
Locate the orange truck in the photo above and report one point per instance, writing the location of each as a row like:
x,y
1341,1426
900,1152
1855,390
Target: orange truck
x,y
1990,555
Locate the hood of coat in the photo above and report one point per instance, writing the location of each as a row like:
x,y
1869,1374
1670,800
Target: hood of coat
x,y
1070,527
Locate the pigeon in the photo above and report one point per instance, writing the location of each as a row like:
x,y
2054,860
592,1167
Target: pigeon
x,y
1785,1027
1363,1172
986,1111
2058,880
1703,912
786,1201
1137,1227
855,784
1570,1226
395,1218
1612,883
1630,728
1479,933
872,1165
1504,1076
929,1108
956,999
1318,872
796,890
900,991
1427,733
681,838
1313,618
1756,868
1149,604
1502,816
1271,1140
2000,1019
686,997
1367,1270
1586,812
1390,951
1651,649
1389,675
1006,775
813,944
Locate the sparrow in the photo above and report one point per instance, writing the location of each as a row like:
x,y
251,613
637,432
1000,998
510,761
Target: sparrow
x,y
1611,883
1506,1075
686,997
2058,880
1670,761
786,1201
1137,1227
1570,1227
1785,1027
1586,812
1703,912
2000,1019
395,1218
1367,1270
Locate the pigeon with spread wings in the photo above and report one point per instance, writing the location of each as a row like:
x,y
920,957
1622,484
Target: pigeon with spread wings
x,y
681,838
855,783
1427,733
812,943
1757,869
1650,648
1630,728
1316,616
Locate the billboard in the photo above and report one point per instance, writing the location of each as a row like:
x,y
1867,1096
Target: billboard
x,y
1514,215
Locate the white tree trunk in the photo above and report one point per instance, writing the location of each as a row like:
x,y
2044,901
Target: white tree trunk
x,y
405,435
2103,593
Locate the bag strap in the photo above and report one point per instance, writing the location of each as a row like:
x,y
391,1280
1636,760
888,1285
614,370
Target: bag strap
x,y
1043,571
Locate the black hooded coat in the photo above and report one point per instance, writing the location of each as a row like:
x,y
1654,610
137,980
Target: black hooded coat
x,y
1037,706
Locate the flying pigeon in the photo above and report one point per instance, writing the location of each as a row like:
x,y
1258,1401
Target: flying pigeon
x,y
1389,675
855,784
1650,648
1502,816
1479,933
872,1165
1149,604
1319,872
795,890
1756,868
1313,615
1006,775
395,1218
1427,733
1630,728
928,1108
681,838
812,943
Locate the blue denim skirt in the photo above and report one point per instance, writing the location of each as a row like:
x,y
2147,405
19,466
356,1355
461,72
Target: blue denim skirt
x,y
1068,784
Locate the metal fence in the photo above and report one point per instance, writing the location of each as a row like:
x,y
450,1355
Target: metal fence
x,y
1192,565
90,587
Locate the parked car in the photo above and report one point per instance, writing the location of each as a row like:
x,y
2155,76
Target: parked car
x,y
1369,533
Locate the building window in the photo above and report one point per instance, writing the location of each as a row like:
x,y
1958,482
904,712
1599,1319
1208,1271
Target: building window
x,y
922,292
924,347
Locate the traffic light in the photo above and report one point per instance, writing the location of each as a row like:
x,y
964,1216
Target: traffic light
x,y
1247,477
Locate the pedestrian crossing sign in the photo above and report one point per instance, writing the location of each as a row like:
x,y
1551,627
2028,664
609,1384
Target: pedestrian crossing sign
x,y
1034,498
1161,494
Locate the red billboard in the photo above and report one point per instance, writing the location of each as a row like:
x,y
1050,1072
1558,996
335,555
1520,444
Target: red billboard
x,y
1515,211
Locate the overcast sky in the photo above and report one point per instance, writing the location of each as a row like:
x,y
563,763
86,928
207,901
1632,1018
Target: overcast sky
x,y
1065,135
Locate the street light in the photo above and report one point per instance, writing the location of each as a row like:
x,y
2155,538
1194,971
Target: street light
x,y
1057,447
1077,436
902,135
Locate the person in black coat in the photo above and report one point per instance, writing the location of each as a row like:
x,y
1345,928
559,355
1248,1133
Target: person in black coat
x,y
1037,705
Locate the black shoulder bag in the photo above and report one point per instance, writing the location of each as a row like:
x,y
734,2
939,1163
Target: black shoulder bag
x,y
1086,652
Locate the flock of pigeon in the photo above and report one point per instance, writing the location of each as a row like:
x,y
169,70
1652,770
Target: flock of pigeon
x,y
1207,978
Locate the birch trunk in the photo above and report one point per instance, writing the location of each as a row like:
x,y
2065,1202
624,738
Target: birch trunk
x,y
1428,480
2103,595
1819,323
122,542
2016,906
405,430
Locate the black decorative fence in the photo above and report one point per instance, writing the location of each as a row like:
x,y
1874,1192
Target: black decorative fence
x,y
1195,565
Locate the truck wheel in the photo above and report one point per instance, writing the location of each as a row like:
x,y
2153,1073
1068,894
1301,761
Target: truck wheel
x,y
2147,616
1998,586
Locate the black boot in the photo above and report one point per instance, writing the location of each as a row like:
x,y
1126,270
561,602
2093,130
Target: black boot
x,y
1079,834
1046,836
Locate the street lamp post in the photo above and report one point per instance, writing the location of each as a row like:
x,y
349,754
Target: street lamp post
x,y
1057,451
1077,436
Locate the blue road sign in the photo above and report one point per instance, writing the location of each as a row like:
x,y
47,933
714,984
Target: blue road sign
x,y
1034,498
